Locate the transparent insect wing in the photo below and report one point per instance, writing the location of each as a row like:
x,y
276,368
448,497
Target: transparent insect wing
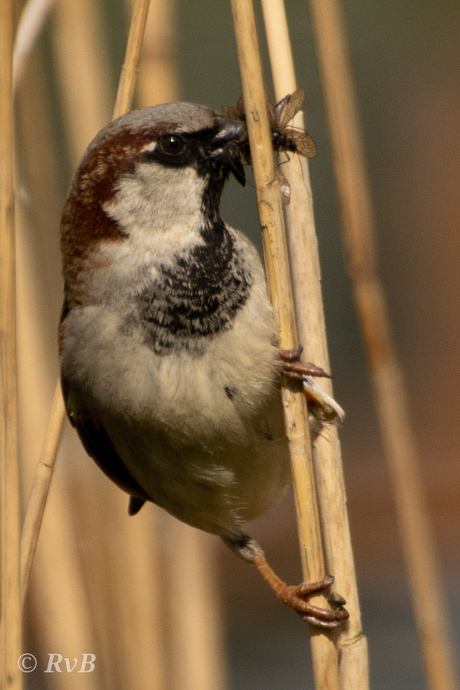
x,y
288,107
304,144
272,116
240,107
231,112
235,112
278,109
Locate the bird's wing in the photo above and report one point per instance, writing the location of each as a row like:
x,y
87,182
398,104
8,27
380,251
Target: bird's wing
x,y
98,445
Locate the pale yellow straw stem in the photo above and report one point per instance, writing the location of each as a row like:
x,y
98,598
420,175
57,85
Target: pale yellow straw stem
x,y
39,492
82,68
158,77
11,612
128,74
324,653
306,279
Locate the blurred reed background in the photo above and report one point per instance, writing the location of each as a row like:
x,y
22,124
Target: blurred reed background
x,y
110,585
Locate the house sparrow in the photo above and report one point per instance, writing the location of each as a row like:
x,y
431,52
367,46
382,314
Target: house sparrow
x,y
169,358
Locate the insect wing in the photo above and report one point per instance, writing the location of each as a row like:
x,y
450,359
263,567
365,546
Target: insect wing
x,y
235,112
277,110
304,144
231,112
288,107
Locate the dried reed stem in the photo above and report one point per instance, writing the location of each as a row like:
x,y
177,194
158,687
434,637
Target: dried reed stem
x,y
158,78
324,653
389,391
306,280
30,24
41,483
10,528
129,70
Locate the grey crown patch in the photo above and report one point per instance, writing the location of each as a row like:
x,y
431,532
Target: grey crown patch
x,y
197,297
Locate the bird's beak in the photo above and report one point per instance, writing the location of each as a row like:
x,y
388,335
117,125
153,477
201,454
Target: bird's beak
x,y
227,143
229,130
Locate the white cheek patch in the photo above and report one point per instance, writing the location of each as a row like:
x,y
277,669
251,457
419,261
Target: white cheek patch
x,y
159,210
157,198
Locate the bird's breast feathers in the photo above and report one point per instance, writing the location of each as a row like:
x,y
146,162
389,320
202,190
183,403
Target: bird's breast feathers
x,y
195,340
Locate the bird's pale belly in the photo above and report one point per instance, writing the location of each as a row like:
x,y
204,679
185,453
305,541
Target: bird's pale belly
x,y
210,480
204,440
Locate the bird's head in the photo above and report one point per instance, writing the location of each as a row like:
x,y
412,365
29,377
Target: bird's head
x,y
157,170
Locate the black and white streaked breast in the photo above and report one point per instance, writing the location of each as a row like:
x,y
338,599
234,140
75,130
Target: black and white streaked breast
x,y
196,297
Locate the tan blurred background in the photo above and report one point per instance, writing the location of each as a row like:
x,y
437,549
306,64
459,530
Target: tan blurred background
x,y
103,583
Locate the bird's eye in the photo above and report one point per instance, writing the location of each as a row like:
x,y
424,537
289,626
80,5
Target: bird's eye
x,y
171,144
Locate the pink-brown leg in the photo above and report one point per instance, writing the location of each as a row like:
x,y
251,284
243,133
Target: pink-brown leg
x,y
295,597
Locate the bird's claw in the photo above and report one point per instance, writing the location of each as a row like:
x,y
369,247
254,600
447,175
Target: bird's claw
x,y
295,597
293,368
321,405
330,618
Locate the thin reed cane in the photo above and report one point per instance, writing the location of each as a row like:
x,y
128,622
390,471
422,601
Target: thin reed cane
x,y
324,653
38,495
129,69
158,77
389,391
34,512
10,528
302,242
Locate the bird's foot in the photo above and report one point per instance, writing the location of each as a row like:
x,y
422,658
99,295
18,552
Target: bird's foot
x,y
294,369
320,404
296,596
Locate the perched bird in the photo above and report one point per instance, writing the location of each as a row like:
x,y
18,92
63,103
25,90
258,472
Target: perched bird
x,y
169,358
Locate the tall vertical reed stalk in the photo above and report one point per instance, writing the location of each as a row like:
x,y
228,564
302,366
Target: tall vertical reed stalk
x,y
128,74
324,651
302,242
10,510
390,395
158,77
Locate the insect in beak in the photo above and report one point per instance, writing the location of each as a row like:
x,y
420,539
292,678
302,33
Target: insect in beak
x,y
230,156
